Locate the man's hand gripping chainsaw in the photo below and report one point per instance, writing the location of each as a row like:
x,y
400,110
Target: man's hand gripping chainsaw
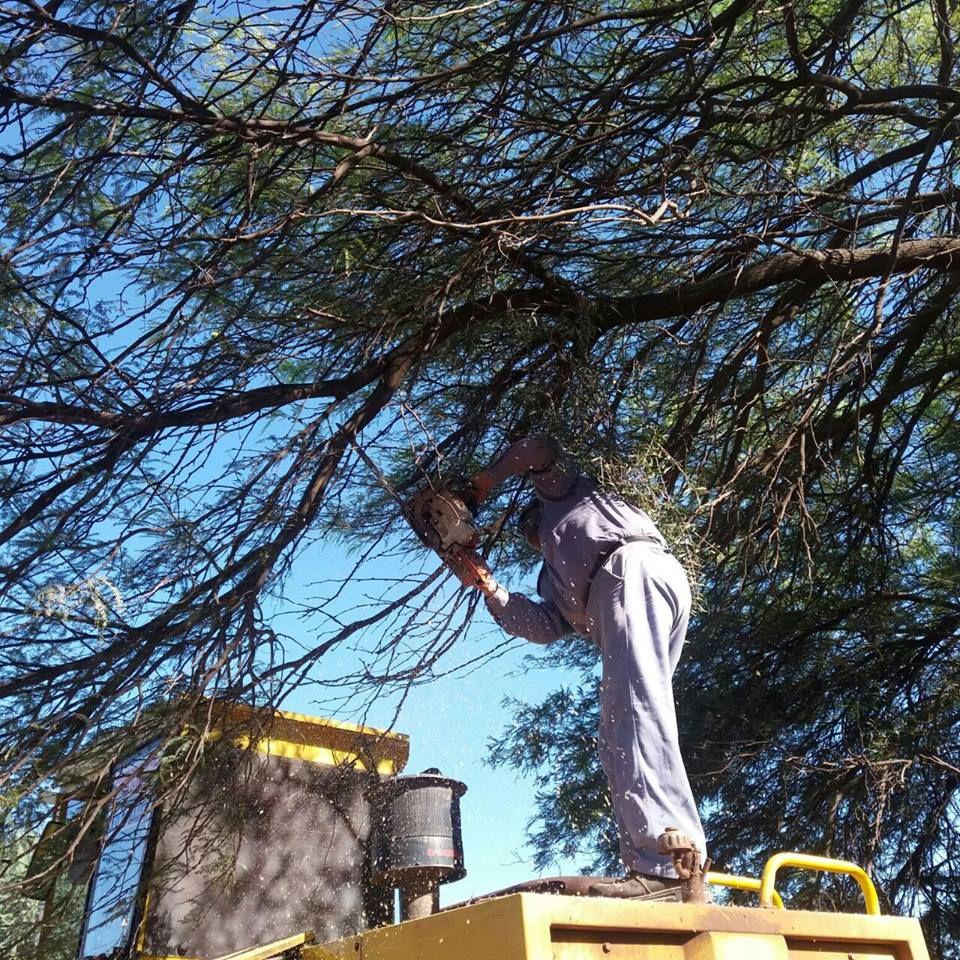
x,y
443,522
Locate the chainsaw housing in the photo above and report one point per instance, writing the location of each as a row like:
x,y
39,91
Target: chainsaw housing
x,y
442,521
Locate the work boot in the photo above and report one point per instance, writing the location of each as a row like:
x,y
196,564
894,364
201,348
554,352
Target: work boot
x,y
638,886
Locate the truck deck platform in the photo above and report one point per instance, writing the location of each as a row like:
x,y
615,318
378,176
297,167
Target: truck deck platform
x,y
530,926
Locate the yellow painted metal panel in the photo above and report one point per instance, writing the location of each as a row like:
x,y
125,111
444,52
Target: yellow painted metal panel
x,y
584,944
604,913
490,930
273,949
314,754
322,953
736,946
839,950
539,927
313,739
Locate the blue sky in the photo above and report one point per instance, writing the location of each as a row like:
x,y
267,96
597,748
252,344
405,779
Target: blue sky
x,y
449,721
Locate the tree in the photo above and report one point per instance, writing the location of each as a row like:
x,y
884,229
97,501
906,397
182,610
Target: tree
x,y
18,915
712,247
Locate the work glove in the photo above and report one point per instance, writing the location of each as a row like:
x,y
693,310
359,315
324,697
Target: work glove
x,y
468,492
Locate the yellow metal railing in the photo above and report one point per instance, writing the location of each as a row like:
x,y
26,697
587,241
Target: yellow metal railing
x,y
766,885
807,861
740,883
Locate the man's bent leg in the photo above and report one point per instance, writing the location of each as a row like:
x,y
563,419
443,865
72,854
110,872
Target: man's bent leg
x,y
639,604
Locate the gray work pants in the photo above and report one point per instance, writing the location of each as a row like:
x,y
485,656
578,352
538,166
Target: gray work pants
x,y
638,608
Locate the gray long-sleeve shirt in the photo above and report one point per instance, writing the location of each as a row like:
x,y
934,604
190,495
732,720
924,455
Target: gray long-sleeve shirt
x,y
580,525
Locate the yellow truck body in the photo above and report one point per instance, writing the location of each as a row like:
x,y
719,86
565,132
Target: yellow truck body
x,y
527,926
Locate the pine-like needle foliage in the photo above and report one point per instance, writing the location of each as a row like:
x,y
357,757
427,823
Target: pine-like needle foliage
x,y
713,247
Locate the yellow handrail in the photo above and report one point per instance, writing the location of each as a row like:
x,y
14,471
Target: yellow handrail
x,y
740,883
806,861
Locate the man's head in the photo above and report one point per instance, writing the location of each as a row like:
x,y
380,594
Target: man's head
x,y
528,523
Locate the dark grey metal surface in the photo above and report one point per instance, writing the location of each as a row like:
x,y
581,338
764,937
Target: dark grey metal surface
x,y
263,847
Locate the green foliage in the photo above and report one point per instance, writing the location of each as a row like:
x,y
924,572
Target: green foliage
x,y
19,916
814,709
712,248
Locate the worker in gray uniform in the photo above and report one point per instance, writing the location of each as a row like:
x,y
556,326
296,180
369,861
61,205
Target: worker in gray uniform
x,y
608,575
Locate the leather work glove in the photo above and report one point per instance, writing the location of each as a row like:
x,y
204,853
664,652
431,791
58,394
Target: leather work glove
x,y
478,489
466,490
472,571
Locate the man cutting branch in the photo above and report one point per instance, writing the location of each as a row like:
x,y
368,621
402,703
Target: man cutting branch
x,y
607,574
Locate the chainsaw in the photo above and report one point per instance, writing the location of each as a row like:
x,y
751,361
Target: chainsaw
x,y
438,516
442,521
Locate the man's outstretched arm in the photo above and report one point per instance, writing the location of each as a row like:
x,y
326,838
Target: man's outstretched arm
x,y
540,457
522,617
515,613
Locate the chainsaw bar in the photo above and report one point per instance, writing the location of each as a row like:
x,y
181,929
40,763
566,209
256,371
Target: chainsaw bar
x,y
439,518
